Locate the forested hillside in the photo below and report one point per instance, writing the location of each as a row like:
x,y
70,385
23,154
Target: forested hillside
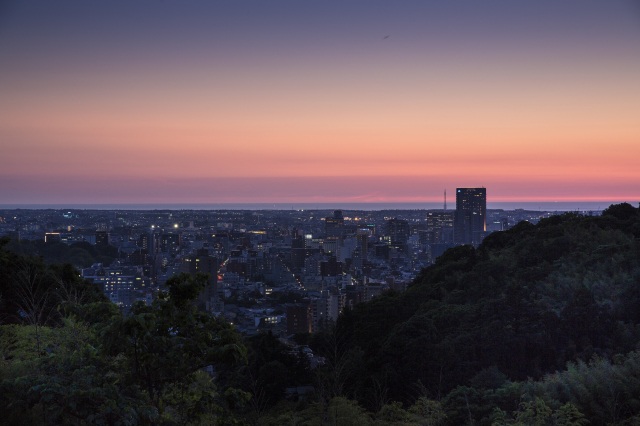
x,y
522,305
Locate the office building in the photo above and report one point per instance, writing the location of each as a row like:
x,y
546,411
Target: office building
x,y
470,222
439,227
334,226
397,233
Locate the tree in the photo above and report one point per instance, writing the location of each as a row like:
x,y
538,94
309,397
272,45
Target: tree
x,y
534,413
623,211
166,343
428,412
32,296
73,383
569,415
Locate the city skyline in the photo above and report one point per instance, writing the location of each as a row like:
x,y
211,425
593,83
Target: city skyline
x,y
249,102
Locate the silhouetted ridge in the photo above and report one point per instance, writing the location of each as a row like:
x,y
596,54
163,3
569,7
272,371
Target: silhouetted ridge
x,y
523,304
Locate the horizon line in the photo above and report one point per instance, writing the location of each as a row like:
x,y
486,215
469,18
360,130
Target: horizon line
x,y
537,205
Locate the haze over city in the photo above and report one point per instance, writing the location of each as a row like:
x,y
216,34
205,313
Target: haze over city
x,y
287,101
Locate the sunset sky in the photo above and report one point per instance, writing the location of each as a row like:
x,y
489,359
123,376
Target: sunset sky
x,y
318,101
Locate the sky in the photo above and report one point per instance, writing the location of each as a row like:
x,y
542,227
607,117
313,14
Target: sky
x,y
230,101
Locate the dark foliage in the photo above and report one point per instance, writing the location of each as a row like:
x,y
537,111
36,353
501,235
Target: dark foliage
x,y
521,305
68,356
33,292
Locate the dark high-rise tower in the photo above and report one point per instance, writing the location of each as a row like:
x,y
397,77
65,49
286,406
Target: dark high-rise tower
x,y
471,215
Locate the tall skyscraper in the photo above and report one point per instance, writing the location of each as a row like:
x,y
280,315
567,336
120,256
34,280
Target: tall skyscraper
x,y
470,222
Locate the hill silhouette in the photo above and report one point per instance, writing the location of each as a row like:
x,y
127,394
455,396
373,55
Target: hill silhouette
x,y
522,305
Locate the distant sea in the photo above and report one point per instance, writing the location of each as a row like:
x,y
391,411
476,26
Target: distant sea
x,y
555,206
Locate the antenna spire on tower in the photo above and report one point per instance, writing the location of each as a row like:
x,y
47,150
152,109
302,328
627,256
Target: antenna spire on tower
x,y
445,200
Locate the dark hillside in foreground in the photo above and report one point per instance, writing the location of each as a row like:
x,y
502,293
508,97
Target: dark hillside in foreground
x,y
521,305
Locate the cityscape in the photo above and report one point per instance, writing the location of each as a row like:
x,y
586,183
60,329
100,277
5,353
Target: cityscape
x,y
288,271
330,213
